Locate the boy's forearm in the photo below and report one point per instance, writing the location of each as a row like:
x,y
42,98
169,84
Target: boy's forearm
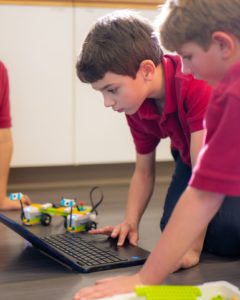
x,y
140,192
191,216
6,147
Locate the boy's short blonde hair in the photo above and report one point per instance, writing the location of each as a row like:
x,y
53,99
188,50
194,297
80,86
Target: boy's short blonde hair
x,y
183,21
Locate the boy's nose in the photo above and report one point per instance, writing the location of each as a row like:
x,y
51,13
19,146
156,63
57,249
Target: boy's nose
x,y
108,102
186,69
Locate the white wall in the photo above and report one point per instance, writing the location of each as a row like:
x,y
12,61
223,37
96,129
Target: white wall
x,y
36,46
57,120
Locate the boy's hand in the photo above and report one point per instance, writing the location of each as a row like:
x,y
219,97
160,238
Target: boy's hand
x,y
7,204
122,231
108,287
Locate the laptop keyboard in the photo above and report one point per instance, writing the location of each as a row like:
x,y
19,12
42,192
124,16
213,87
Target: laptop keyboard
x,y
84,252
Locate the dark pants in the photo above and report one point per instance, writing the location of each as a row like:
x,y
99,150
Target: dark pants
x,y
223,234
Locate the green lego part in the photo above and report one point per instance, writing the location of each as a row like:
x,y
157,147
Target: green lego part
x,y
164,292
54,211
219,297
32,221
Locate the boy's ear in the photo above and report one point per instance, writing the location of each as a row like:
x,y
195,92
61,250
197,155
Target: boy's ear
x,y
225,43
147,69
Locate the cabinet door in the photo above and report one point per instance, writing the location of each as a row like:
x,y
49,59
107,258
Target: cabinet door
x,y
36,47
102,135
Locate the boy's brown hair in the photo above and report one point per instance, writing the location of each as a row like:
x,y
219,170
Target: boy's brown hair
x,y
183,21
118,43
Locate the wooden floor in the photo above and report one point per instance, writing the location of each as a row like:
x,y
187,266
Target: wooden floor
x,y
27,274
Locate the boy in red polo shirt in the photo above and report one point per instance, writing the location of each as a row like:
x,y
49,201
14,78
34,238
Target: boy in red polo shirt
x,y
159,101
6,144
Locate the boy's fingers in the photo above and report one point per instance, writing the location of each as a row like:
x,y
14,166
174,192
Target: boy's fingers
x,y
133,240
104,230
116,231
122,236
26,200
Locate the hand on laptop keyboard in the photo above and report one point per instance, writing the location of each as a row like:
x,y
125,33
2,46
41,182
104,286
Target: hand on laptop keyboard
x,y
121,231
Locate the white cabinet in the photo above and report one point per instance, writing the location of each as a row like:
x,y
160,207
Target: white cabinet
x,y
36,46
57,120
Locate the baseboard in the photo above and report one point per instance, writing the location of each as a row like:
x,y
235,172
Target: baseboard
x,y
32,178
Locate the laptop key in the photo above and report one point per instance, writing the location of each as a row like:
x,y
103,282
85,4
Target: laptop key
x,y
84,252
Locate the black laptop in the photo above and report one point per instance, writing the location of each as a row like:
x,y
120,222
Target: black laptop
x,y
82,252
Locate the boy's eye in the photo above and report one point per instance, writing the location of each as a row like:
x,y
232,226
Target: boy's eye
x,y
112,91
187,57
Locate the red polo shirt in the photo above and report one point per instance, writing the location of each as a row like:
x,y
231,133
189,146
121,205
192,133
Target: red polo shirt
x,y
218,166
186,100
5,119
